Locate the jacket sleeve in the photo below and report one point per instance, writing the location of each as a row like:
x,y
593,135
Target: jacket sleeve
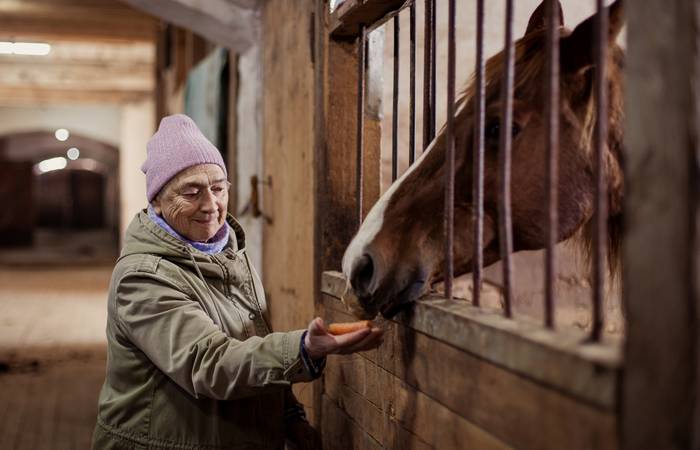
x,y
175,333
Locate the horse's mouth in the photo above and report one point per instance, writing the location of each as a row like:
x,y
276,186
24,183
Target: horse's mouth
x,y
403,300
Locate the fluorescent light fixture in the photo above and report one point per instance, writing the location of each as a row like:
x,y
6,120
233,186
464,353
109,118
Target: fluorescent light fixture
x,y
24,48
73,153
62,134
50,164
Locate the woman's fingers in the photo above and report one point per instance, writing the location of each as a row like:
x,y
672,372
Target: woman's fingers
x,y
372,340
317,327
349,339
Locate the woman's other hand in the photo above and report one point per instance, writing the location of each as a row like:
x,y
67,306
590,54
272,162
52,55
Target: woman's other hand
x,y
319,342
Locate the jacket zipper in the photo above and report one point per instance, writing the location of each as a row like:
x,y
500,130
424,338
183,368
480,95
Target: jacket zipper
x,y
255,294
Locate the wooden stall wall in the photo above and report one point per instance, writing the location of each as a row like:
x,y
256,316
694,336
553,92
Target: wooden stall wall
x,y
287,185
449,376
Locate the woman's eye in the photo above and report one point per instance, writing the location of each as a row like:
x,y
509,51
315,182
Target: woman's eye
x,y
189,194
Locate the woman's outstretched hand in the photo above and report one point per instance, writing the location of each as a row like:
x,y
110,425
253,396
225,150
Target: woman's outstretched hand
x,y
319,342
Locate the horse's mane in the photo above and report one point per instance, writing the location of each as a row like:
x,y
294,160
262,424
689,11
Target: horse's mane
x,y
530,64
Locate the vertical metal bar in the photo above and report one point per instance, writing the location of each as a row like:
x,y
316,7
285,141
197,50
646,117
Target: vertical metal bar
x,y
450,153
478,166
395,111
360,119
504,222
552,181
433,70
428,74
601,131
412,88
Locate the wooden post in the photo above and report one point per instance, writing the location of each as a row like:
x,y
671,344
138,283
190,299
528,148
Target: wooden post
x,y
660,390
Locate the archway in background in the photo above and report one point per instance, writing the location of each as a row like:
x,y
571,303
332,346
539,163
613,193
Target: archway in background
x,y
58,209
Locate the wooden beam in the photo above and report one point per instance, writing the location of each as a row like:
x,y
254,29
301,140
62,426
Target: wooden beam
x,y
231,24
346,19
96,20
23,96
67,75
660,404
558,358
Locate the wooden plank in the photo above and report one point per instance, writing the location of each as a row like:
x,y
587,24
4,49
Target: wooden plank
x,y
661,403
346,19
517,410
561,359
75,75
343,432
38,96
395,414
234,25
338,173
288,172
86,21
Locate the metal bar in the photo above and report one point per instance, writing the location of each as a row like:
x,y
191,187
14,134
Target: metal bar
x,y
552,180
360,119
504,222
600,235
428,75
395,111
412,88
450,153
433,70
478,166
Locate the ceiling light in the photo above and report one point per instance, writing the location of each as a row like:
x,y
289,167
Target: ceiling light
x,y
25,48
73,153
62,134
50,164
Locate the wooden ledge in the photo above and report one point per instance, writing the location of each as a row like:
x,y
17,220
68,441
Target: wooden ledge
x,y
345,21
562,359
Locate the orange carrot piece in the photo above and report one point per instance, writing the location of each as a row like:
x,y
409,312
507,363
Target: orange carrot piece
x,y
348,327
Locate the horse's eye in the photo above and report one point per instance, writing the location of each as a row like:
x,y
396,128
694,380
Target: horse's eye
x,y
493,130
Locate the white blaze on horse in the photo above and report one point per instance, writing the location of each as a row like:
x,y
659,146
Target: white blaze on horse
x,y
398,251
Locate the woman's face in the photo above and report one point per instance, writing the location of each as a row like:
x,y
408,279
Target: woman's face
x,y
194,202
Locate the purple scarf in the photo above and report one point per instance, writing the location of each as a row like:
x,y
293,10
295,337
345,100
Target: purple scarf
x,y
215,245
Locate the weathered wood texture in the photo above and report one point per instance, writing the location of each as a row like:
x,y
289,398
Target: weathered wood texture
x,y
288,144
85,20
661,385
445,397
347,18
338,223
563,360
234,25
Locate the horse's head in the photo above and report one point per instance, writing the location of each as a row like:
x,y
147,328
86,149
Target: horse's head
x,y
398,251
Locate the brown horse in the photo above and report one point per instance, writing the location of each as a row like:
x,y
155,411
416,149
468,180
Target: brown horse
x,y
398,251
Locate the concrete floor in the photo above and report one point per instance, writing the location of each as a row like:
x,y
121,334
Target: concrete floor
x,y
52,355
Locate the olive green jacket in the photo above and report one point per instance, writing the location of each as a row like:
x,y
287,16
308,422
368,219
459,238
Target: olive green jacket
x,y
192,363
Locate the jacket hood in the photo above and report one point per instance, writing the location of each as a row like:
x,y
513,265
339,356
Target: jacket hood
x,y
144,236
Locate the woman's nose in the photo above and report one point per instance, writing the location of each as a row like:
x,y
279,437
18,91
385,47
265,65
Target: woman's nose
x,y
208,201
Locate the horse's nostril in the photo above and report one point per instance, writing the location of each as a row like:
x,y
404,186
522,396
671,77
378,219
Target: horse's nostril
x,y
362,274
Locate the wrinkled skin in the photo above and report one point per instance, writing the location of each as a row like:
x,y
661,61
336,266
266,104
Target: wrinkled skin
x,y
399,250
187,205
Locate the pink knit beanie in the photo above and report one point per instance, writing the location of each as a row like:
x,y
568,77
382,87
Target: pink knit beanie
x,y
177,145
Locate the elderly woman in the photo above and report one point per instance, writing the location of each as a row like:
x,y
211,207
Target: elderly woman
x,y
192,360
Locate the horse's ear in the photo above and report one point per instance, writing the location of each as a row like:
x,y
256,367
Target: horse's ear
x,y
538,19
578,48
